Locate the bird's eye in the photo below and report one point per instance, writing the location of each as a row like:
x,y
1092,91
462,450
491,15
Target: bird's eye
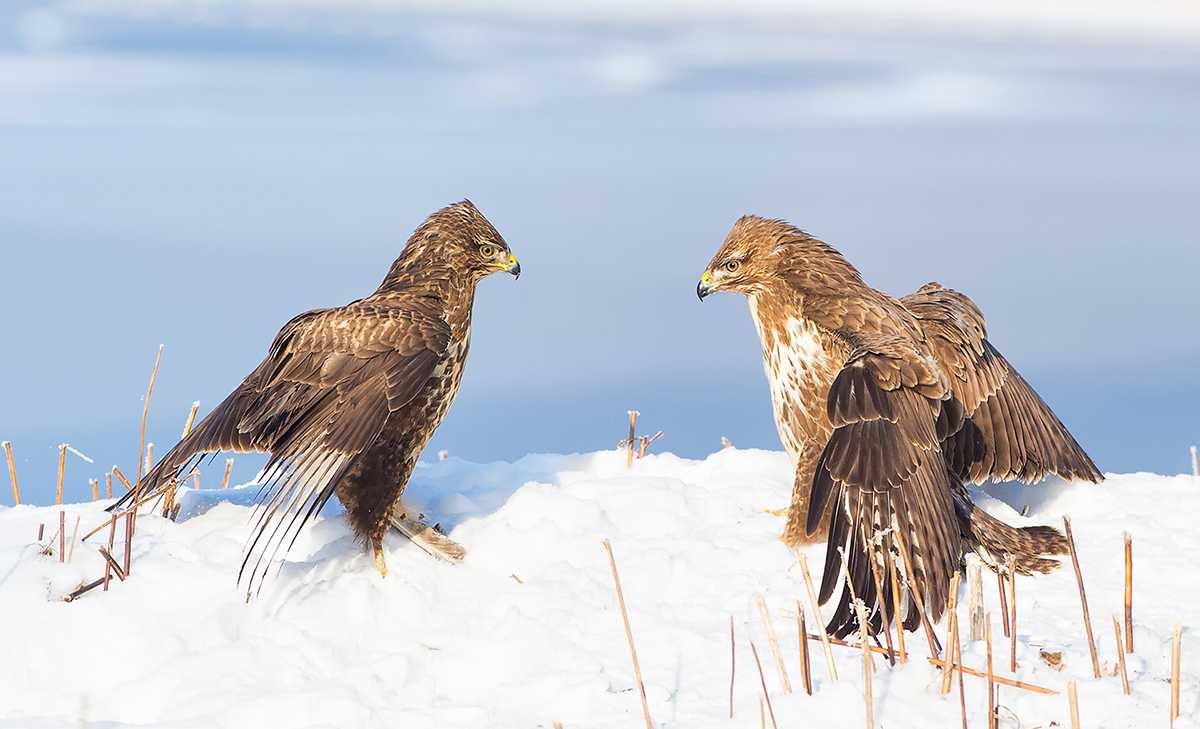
x,y
487,251
732,266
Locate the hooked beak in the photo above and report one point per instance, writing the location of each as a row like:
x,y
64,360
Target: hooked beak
x,y
705,287
513,267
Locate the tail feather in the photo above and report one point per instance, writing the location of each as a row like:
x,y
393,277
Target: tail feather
x,y
1025,548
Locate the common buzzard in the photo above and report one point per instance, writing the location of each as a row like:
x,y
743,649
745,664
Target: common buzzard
x,y
887,407
347,397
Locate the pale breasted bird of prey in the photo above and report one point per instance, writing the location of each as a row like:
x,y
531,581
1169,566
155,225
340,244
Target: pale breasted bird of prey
x,y
887,407
347,397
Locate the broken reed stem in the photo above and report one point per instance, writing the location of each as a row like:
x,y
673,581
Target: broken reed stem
x,y
1128,593
732,664
111,562
95,490
62,465
1012,594
1073,700
762,713
128,537
868,662
112,534
805,664
644,441
12,473
86,588
910,578
632,422
187,427
1087,620
1176,649
109,484
762,678
147,498
774,643
991,676
629,633
74,535
41,529
228,468
62,536
938,662
1121,656
1000,580
952,634
896,606
812,597
1195,463
145,411
957,648
121,476
975,596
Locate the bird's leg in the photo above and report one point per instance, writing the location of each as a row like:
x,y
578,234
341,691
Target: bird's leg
x,y
795,531
379,563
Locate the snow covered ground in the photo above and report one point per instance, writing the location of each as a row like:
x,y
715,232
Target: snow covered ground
x,y
527,630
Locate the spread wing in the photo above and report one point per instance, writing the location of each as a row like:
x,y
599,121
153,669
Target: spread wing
x,y
890,410
1010,432
317,401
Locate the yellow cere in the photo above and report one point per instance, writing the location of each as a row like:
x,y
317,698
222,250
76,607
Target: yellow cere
x,y
704,278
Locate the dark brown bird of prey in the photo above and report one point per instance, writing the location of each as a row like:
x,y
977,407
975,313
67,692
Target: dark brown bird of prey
x,y
347,397
887,407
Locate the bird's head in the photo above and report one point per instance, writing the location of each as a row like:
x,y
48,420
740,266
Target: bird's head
x,y
742,264
480,249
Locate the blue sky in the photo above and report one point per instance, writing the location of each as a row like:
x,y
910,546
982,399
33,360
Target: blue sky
x,y
194,174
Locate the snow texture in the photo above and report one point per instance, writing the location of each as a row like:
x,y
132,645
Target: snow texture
x,y
527,631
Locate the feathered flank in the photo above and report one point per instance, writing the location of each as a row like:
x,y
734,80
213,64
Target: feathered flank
x,y
347,397
887,407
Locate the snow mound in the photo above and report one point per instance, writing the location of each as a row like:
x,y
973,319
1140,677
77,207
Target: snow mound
x,y
527,630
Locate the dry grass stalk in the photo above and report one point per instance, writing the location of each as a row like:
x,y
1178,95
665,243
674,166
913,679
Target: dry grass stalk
x,y
41,530
1074,702
991,676
109,476
187,427
228,468
763,679
629,633
12,473
975,596
1128,593
1012,587
896,606
805,660
1121,656
867,659
762,714
773,642
62,536
145,411
957,648
732,664
95,490
952,634
62,465
632,423
725,443
1195,463
916,593
111,563
74,535
1176,649
1087,620
887,626
86,588
812,597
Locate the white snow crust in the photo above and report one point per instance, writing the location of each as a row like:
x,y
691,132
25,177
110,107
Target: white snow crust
x,y
527,630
